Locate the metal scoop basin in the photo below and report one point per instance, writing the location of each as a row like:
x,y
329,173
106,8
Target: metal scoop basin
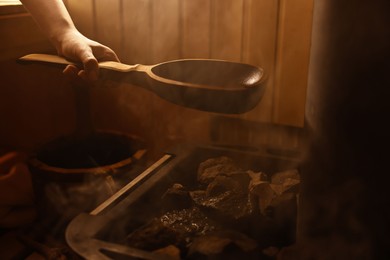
x,y
204,84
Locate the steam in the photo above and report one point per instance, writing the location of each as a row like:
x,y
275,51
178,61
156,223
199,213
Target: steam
x,y
70,200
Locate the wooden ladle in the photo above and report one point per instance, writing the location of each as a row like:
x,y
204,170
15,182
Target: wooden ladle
x,y
204,84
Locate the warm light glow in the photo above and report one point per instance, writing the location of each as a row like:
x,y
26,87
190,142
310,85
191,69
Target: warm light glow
x,y
255,77
9,2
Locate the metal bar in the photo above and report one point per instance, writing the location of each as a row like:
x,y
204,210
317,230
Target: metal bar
x,y
131,184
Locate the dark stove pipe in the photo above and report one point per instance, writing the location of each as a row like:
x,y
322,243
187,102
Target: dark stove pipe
x,y
345,197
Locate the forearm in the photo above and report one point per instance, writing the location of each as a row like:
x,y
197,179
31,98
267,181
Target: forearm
x,y
55,21
52,17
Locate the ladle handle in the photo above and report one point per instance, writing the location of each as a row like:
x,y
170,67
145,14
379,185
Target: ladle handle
x,y
110,65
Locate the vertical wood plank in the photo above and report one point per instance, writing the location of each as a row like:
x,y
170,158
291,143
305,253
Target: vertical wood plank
x,y
226,29
259,48
195,19
165,30
108,24
125,107
292,61
166,35
137,32
82,13
196,28
246,26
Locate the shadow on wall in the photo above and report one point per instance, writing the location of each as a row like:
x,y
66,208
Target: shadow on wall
x,y
36,104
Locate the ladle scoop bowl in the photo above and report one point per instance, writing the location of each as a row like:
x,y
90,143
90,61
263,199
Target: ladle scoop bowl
x,y
205,84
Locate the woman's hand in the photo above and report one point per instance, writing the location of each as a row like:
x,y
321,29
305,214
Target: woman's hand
x,y
55,22
75,46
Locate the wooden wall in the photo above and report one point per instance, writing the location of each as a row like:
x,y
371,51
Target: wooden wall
x,y
36,102
273,34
